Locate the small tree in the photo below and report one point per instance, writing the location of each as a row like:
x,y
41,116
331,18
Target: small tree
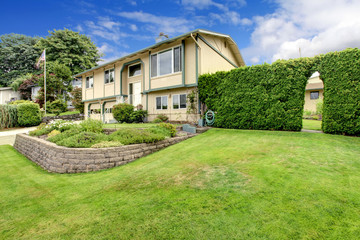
x,y
76,99
122,112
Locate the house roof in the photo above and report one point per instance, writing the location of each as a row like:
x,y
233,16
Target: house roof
x,y
315,86
232,44
5,88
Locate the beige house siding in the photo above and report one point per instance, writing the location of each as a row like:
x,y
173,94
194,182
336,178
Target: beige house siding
x,y
7,94
314,84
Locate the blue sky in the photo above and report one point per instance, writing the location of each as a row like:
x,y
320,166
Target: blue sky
x,y
265,30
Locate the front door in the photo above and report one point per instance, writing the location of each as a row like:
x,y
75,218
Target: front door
x,y
135,93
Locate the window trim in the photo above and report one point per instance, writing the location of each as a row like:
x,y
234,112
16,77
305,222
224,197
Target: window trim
x,y
161,97
178,95
134,65
172,61
91,76
109,69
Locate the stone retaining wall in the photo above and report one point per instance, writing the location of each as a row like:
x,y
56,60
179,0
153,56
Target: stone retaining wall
x,y
72,117
60,159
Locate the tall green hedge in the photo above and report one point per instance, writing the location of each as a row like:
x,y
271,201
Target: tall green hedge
x,y
8,116
340,72
28,114
258,97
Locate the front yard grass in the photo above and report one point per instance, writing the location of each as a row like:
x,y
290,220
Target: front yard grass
x,y
312,124
223,184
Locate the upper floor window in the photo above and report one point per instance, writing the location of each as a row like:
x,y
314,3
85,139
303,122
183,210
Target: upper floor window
x,y
89,82
314,95
109,76
166,62
179,101
135,70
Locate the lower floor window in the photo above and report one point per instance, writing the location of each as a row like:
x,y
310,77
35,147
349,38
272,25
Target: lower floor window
x,y
161,102
179,101
314,95
108,110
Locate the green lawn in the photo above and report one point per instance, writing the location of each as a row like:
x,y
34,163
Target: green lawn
x,y
62,114
223,184
312,124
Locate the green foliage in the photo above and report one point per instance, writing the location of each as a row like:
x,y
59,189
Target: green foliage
x,y
319,106
122,112
71,49
91,125
138,116
18,55
28,114
191,98
40,132
106,144
258,97
340,73
56,107
76,99
8,116
25,87
133,136
170,127
82,140
161,118
19,80
16,102
66,134
307,114
54,133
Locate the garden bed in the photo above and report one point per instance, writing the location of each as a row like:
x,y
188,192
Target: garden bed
x,y
59,159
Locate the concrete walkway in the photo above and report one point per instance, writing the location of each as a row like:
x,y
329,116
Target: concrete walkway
x,y
311,131
8,137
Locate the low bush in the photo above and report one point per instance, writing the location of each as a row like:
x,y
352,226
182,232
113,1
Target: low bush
x,y
56,107
8,116
133,136
54,133
16,102
138,116
91,125
162,117
122,112
170,127
157,120
28,114
39,132
106,144
64,135
82,140
160,130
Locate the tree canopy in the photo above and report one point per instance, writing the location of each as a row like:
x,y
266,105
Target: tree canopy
x,y
18,55
70,48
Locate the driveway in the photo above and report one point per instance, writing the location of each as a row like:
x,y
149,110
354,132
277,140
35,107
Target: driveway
x,y
8,137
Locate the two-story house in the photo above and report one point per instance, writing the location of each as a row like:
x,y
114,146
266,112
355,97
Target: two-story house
x,y
159,77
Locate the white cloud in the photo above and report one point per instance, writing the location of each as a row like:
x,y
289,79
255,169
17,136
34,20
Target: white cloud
x,y
313,26
157,24
133,27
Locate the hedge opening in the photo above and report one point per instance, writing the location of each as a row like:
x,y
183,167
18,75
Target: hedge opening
x,y
272,96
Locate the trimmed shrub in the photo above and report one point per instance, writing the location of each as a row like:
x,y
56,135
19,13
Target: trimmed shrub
x,y
170,127
162,117
28,114
138,116
340,73
91,125
82,140
258,97
122,112
8,116
157,120
133,136
56,107
16,102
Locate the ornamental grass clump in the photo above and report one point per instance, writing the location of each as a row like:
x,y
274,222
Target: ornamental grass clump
x,y
8,116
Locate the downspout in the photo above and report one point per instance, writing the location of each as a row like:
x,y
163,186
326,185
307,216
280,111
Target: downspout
x,y
183,62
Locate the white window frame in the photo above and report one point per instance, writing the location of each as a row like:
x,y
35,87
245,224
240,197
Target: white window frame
x,y
86,79
134,65
178,97
172,61
161,98
110,69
